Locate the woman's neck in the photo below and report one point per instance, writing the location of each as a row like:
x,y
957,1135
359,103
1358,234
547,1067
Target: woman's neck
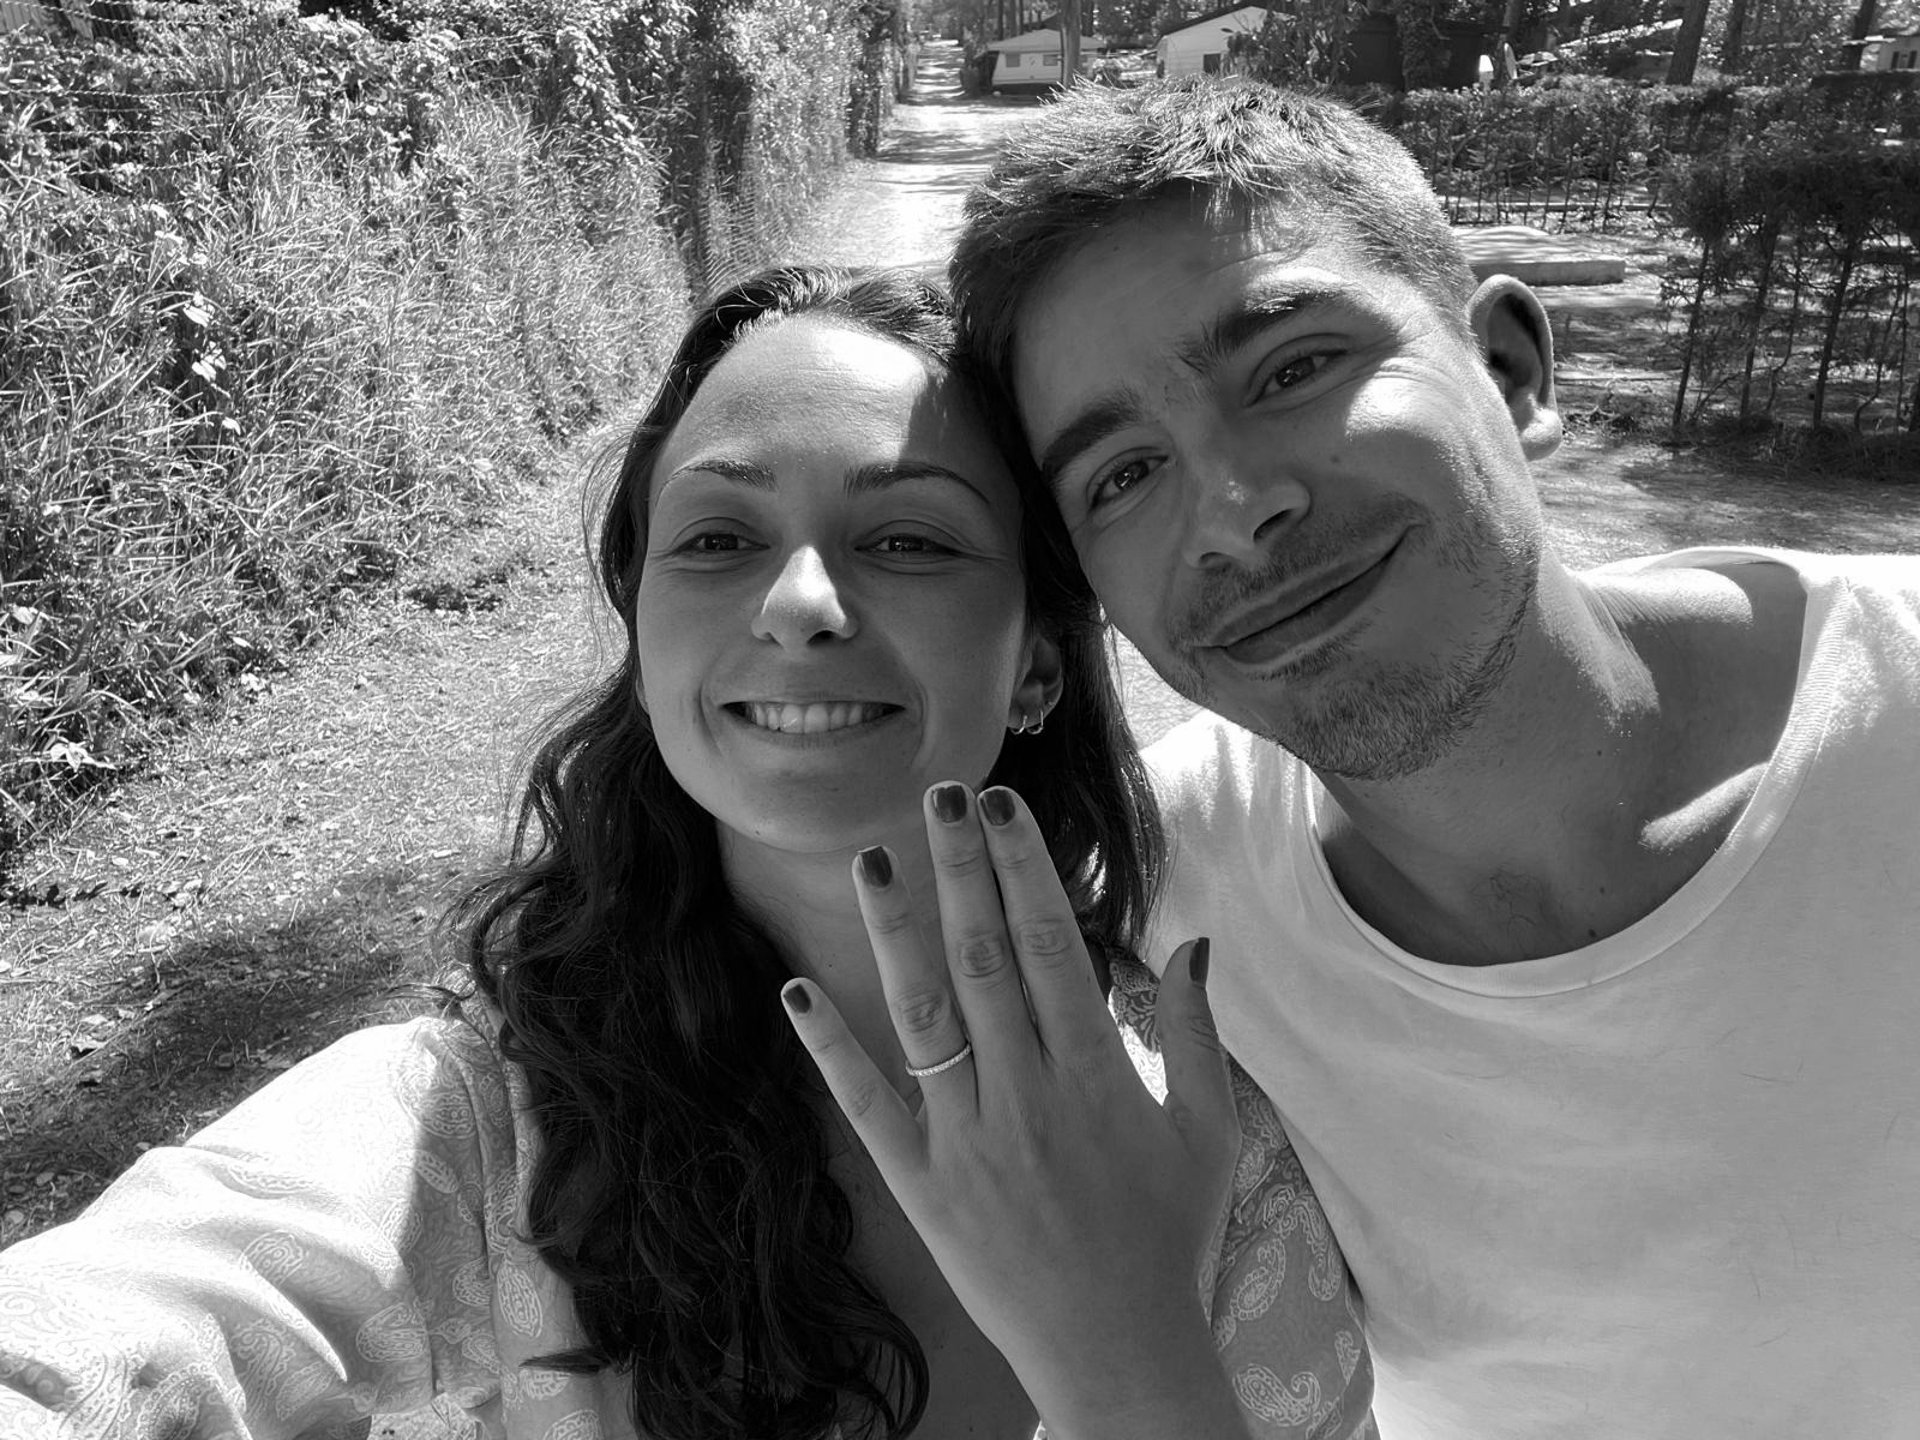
x,y
807,903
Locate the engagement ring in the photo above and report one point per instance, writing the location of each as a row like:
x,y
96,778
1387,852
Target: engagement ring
x,y
946,1064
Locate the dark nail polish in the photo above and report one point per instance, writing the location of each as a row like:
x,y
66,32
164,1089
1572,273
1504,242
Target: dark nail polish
x,y
1197,961
950,803
798,1001
997,806
875,868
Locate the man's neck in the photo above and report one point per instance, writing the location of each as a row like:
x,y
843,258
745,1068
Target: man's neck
x,y
1637,719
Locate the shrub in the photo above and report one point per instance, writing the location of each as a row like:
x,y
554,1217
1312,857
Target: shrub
x,y
1803,287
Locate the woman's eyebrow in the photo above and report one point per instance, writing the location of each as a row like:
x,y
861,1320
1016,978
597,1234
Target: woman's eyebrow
x,y
881,475
741,472
861,480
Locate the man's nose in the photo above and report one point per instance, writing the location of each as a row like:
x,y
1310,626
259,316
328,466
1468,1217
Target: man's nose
x,y
803,604
1241,496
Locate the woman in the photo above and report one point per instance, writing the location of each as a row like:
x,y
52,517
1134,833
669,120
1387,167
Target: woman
x,y
611,1195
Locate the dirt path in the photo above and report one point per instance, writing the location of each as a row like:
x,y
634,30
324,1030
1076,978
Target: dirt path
x,y
250,898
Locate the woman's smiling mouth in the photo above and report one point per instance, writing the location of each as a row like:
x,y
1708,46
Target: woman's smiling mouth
x,y
816,718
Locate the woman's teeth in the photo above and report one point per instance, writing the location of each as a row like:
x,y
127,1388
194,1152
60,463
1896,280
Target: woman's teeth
x,y
810,719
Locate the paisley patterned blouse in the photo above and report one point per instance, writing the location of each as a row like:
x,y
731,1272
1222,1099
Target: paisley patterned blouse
x,y
339,1253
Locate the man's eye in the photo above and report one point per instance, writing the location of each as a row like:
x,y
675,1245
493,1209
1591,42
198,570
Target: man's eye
x,y
1111,484
1296,371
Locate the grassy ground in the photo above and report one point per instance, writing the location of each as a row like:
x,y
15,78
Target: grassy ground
x,y
262,886
257,891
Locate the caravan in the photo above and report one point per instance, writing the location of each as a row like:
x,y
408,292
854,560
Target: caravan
x,y
1030,63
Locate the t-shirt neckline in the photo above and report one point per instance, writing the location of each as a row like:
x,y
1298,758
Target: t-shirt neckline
x,y
1702,894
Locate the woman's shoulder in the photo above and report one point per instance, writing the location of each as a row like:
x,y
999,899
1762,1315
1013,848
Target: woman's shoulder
x,y
444,1069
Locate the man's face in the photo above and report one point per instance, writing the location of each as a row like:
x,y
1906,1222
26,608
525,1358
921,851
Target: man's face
x,y
1296,487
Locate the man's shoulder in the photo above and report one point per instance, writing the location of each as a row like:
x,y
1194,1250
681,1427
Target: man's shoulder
x,y
1893,574
1208,763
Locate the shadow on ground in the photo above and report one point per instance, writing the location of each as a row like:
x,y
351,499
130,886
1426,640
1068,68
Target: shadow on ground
x,y
1606,498
183,1037
924,147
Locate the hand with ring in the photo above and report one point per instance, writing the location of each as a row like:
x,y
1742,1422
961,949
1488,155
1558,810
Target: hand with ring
x,y
1067,1208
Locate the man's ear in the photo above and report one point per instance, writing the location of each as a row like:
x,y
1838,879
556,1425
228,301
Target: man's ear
x,y
1513,334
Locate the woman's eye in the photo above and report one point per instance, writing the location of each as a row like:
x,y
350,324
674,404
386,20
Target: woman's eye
x,y
909,545
712,542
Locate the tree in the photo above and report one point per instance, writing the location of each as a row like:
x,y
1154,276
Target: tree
x,y
1686,46
1304,44
1862,28
1730,46
1128,19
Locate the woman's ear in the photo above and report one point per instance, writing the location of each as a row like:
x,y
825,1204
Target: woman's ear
x,y
1040,685
1513,334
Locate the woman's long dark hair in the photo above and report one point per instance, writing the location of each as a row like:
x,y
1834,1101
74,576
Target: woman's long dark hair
x,y
683,1191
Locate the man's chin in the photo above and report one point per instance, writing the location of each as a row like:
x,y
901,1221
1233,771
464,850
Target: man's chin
x,y
1382,724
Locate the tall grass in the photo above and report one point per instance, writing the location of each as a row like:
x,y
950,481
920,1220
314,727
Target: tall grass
x,y
279,298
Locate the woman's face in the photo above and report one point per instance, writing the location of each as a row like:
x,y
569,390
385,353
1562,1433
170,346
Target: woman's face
x,y
832,614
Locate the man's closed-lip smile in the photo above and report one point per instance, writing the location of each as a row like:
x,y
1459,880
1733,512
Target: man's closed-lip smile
x,y
1301,613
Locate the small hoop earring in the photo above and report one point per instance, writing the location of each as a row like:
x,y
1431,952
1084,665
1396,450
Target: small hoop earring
x,y
1030,724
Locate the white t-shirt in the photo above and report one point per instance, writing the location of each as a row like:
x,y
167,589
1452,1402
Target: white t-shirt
x,y
1665,1185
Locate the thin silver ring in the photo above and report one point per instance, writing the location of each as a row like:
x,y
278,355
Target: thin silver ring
x,y
946,1064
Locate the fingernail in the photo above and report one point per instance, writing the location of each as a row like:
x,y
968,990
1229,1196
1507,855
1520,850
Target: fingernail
x,y
795,994
950,803
875,868
1197,959
997,806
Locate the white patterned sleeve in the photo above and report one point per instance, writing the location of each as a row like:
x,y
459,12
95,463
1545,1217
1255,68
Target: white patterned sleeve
x,y
318,1254
1286,1314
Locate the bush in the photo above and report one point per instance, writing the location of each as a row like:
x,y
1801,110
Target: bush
x,y
1804,285
1596,151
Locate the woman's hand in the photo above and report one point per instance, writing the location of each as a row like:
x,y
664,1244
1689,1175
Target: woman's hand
x,y
1069,1211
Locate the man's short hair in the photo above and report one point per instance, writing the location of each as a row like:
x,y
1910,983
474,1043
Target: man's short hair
x,y
1235,149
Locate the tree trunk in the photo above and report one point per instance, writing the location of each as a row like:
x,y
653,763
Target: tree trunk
x,y
1863,19
1731,57
1069,41
1833,333
1686,46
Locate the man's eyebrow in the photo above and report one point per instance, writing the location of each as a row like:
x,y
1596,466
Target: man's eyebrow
x,y
1255,313
1103,415
1218,338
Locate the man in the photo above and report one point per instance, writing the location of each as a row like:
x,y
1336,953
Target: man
x,y
1570,919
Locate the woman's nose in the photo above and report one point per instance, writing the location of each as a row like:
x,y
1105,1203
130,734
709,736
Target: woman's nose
x,y
803,604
